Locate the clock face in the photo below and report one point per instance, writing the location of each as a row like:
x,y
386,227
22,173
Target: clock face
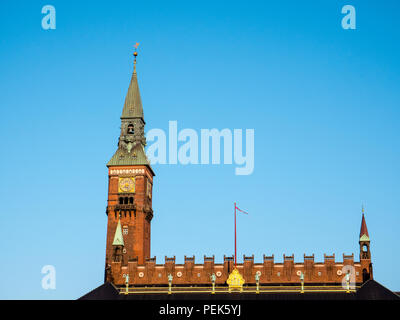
x,y
126,184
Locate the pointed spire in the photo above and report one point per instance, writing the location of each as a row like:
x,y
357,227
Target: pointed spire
x,y
133,104
132,139
364,236
118,238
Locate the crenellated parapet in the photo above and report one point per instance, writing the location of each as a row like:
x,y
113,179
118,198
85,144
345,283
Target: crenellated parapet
x,y
309,269
269,271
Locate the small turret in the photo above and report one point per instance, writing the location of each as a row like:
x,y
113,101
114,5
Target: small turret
x,y
118,243
364,239
365,253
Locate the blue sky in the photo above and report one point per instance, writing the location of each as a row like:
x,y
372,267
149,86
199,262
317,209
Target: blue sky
x,y
323,101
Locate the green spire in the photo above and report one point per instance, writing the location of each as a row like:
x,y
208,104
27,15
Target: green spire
x,y
118,238
132,140
133,104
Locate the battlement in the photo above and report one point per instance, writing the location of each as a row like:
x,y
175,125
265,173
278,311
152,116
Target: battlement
x,y
270,272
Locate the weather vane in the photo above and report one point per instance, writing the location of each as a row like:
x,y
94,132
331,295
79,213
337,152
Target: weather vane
x,y
135,55
136,46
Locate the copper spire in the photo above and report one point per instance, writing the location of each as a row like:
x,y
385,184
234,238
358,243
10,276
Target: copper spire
x,y
133,103
364,230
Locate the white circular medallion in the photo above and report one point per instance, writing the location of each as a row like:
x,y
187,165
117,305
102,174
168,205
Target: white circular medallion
x,y
219,273
258,273
339,272
298,273
179,274
141,274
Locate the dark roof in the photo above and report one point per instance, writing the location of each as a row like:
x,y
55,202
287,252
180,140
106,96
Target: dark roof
x,y
106,291
370,290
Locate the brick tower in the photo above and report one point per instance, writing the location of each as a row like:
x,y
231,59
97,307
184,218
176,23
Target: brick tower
x,y
130,181
365,253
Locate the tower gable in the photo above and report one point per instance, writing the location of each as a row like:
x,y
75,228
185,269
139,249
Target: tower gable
x,y
364,237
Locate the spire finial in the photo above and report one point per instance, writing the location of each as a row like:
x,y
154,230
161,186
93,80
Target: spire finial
x,y
135,55
362,208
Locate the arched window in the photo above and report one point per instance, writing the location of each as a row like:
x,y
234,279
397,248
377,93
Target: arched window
x,y
130,129
131,200
365,275
365,248
121,200
126,200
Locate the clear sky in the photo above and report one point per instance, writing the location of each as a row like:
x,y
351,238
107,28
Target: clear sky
x,y
323,101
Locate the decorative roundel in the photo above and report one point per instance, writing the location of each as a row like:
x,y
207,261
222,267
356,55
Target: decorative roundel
x,y
198,275
124,250
339,272
258,273
319,273
298,273
159,275
279,274
124,275
141,274
179,274
219,273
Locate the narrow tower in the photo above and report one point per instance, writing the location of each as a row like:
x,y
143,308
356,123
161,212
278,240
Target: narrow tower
x,y
130,181
365,253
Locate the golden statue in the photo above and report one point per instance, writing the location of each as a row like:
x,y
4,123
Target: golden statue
x,y
235,281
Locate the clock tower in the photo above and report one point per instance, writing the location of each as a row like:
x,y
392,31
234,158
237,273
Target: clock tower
x,y
130,180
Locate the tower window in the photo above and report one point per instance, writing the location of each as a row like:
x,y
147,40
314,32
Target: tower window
x,y
365,248
126,200
131,200
125,231
130,129
121,200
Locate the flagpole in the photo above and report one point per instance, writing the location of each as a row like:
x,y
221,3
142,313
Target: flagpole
x,y
235,234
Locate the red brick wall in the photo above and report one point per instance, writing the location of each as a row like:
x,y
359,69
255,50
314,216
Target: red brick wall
x,y
137,220
190,273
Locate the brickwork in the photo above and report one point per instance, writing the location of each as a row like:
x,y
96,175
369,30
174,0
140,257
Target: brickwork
x,y
135,217
190,273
